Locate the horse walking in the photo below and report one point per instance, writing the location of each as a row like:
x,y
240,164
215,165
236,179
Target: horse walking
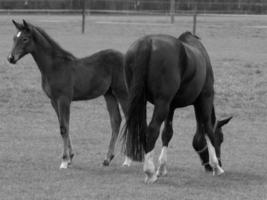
x,y
170,73
66,78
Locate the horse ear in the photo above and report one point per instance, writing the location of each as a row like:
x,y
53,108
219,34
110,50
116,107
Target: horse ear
x,y
26,25
224,121
17,25
183,55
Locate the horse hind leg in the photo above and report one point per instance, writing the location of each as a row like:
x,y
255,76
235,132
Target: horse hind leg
x,y
122,98
159,115
115,121
166,136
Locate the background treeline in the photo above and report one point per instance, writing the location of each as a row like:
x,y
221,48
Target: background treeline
x,y
206,6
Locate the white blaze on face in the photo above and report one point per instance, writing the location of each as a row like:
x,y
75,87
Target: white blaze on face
x,y
213,158
19,34
212,153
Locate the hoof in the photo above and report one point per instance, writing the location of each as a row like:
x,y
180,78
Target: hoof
x,y
208,168
127,162
126,165
64,165
150,178
106,163
218,171
162,171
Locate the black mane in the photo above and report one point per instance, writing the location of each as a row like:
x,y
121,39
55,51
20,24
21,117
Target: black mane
x,y
58,51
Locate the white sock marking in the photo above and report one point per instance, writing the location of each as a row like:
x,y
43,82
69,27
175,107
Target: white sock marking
x,y
163,156
64,165
162,170
127,162
149,164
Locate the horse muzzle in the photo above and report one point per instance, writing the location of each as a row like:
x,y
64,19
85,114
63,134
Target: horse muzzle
x,y
11,59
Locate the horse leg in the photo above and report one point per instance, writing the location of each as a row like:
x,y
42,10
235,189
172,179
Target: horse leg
x,y
115,121
62,108
71,154
203,109
159,115
200,145
123,102
165,137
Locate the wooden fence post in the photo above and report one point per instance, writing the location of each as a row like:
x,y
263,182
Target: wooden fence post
x,y
83,15
172,10
194,23
195,19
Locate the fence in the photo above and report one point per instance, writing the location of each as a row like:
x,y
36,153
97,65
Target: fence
x,y
143,6
159,7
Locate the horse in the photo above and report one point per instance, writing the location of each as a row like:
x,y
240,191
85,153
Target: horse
x,y
66,78
170,73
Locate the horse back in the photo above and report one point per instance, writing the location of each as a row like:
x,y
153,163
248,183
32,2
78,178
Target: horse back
x,y
176,70
95,74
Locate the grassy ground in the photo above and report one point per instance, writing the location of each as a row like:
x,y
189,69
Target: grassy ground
x,y
30,143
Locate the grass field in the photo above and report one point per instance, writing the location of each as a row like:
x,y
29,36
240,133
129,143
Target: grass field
x,y
31,146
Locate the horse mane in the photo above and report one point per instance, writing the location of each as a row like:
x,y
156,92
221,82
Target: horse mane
x,y
58,51
186,34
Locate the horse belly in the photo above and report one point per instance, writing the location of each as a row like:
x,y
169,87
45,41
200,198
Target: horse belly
x,y
90,89
185,97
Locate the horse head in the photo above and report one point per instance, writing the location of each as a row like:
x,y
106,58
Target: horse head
x,y
22,42
201,146
219,135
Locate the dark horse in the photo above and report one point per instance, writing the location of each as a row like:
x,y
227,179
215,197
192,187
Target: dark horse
x,y
66,78
170,73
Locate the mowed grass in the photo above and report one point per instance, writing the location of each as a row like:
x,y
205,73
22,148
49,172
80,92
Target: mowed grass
x,y
31,146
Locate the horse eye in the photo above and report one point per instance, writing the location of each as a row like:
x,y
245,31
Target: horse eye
x,y
25,40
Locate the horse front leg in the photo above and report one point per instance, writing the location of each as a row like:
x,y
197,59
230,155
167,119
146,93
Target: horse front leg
x,y
62,108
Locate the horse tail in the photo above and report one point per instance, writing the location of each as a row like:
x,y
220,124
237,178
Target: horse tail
x,y
134,132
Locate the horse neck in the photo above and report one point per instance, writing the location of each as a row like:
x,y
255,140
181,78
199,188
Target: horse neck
x,y
43,59
44,55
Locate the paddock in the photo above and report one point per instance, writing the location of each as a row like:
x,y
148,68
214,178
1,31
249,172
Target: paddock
x,y
30,142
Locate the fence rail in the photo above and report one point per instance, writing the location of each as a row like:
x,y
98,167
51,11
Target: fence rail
x,y
137,6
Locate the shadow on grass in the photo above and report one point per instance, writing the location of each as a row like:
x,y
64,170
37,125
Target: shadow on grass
x,y
187,178
112,170
178,177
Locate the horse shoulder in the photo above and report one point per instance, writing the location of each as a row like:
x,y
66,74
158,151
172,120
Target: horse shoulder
x,y
46,87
